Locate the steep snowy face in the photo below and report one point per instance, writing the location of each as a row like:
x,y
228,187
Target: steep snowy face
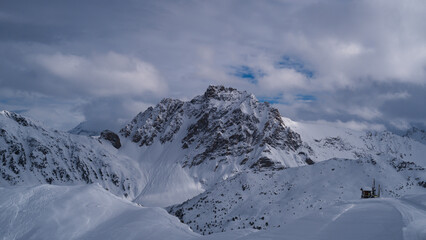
x,y
219,128
30,154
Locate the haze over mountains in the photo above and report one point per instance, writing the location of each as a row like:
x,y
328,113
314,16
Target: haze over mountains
x,y
221,162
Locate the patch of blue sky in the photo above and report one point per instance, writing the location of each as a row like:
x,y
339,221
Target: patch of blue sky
x,y
305,98
248,73
297,65
4,101
272,100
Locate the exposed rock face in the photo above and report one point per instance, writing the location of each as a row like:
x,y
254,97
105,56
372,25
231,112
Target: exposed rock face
x,y
30,154
112,137
222,125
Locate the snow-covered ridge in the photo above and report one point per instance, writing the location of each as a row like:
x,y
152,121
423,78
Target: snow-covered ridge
x,y
208,139
30,155
18,119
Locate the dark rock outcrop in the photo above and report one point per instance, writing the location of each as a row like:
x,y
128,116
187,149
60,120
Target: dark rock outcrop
x,y
112,137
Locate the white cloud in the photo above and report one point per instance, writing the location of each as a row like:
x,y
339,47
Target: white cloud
x,y
283,79
353,48
354,125
400,124
394,96
367,113
104,75
344,49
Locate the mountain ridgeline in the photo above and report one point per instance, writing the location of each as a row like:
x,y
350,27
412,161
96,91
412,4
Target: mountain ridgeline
x,y
215,135
222,125
30,154
219,162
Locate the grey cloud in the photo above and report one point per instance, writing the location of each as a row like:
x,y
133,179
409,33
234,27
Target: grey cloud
x,y
358,52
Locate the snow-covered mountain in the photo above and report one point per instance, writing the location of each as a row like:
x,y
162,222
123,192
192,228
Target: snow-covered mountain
x,y
30,155
221,162
346,160
208,139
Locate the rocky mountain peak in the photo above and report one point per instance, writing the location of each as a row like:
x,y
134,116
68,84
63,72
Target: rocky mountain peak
x,y
220,92
17,118
223,94
223,125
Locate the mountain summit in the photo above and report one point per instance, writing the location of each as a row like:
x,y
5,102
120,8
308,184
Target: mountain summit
x,y
222,128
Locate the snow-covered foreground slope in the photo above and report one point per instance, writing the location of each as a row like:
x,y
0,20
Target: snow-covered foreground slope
x,y
270,199
90,212
81,212
378,219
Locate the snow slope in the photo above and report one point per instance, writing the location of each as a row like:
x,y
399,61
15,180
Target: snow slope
x,y
81,212
91,212
273,198
379,219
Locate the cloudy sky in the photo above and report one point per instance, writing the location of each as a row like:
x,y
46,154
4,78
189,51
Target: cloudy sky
x,y
359,63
